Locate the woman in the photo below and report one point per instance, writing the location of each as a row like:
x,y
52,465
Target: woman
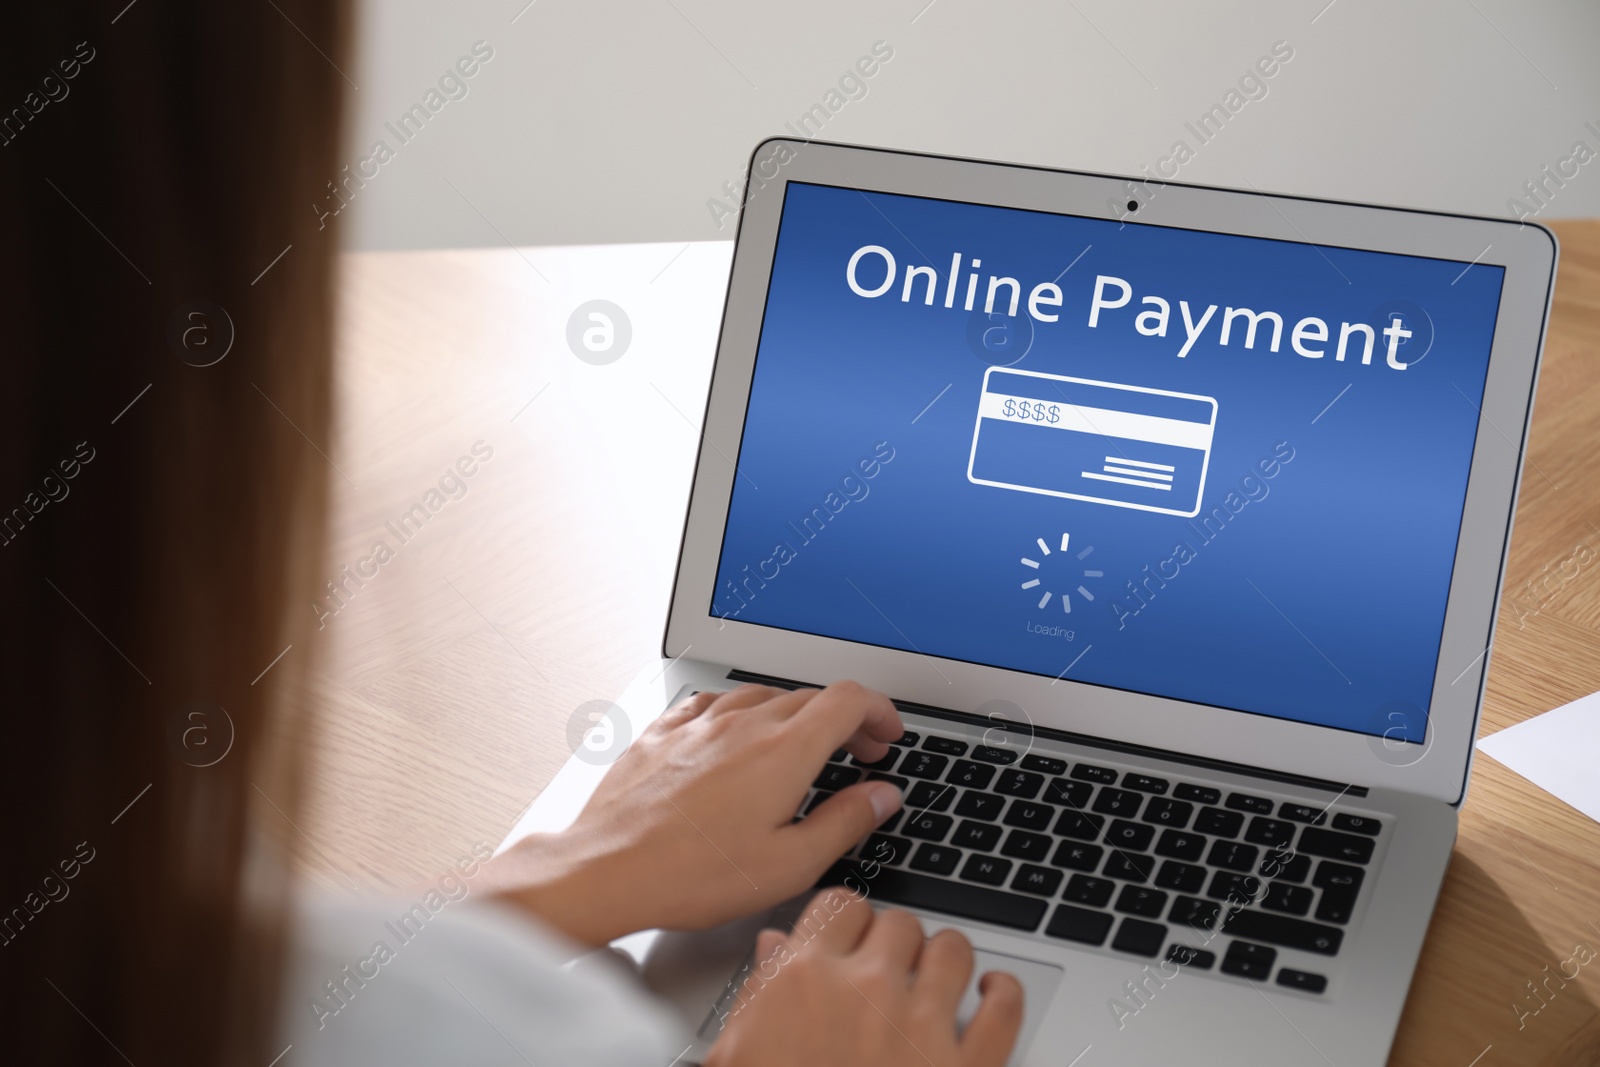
x,y
167,304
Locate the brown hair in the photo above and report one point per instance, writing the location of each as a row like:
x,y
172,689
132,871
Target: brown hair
x,y
155,161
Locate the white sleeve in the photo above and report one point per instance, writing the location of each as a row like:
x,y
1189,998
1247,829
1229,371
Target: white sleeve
x,y
388,981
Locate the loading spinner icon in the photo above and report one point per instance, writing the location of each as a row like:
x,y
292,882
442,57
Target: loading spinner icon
x,y
1055,572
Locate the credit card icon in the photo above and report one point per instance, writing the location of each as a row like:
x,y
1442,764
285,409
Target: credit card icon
x,y
1102,442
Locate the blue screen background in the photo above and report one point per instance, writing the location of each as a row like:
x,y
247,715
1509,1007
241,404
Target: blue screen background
x,y
1319,598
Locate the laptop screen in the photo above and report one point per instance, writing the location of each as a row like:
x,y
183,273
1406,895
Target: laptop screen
x,y
1221,469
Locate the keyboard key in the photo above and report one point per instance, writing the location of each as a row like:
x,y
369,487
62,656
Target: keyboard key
x,y
1180,845
936,859
1200,794
947,897
1265,831
1024,784
1030,815
1245,802
1079,924
1072,794
991,754
1137,900
815,801
1291,899
930,796
1282,930
887,826
1184,877
1336,846
970,774
1184,956
947,745
1082,889
1130,835
1040,880
1357,824
1130,868
1076,857
1302,813
1026,846
1164,812
927,826
981,835
1044,764
838,756
1118,802
1236,889
1139,937
907,738
923,764
1285,866
1144,783
1077,824
1332,875
1219,822
980,806
834,776
1304,981
893,779
1232,855
885,848
990,870
1085,773
1340,886
1248,961
1192,911
884,764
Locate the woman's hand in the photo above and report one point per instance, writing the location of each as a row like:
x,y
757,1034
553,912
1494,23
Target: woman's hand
x,y
850,986
692,827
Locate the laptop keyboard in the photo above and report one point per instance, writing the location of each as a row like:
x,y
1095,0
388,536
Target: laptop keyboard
x,y
1144,865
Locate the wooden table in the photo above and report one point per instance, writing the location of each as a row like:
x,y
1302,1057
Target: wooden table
x,y
447,681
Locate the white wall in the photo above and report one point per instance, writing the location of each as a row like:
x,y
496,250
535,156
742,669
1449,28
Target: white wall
x,y
618,120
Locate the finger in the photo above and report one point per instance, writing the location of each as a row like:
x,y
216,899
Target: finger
x,y
849,714
783,703
834,922
769,943
895,941
864,748
839,822
681,713
745,696
993,1030
865,742
944,971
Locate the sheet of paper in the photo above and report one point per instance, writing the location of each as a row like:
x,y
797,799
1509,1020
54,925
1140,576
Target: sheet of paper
x,y
1558,751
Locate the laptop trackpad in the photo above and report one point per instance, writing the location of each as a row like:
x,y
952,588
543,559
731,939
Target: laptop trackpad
x,y
1039,981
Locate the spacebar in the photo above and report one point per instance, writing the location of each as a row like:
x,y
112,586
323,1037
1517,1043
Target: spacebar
x,y
937,894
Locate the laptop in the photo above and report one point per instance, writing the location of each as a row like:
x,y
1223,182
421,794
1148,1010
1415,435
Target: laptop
x,y
1173,519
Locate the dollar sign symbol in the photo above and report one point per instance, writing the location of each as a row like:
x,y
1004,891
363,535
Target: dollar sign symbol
x,y
1055,414
1010,408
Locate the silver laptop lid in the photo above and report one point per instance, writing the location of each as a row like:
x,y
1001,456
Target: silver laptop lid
x,y
1210,471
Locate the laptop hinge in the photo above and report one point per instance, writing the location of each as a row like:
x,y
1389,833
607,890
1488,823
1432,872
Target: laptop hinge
x,y
1086,740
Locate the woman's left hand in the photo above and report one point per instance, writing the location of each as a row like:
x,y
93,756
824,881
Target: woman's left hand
x,y
693,827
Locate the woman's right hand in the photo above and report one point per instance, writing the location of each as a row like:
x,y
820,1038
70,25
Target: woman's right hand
x,y
852,986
